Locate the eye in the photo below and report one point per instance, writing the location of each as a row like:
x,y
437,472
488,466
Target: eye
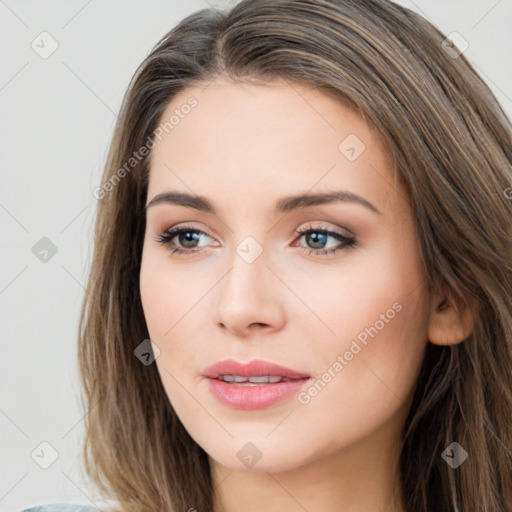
x,y
189,236
318,237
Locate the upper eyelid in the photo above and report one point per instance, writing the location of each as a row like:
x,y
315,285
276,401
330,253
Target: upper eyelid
x,y
174,231
308,227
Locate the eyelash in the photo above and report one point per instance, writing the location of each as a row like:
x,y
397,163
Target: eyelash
x,y
348,242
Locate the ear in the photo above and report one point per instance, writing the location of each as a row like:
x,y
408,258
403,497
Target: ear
x,y
450,323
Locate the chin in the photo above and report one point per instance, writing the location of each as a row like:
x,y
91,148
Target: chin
x,y
257,455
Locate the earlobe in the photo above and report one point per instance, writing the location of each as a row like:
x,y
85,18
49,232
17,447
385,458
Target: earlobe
x,y
449,325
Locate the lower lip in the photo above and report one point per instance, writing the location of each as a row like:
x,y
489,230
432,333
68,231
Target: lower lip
x,y
254,397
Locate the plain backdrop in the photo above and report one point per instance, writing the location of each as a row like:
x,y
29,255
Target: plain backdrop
x,y
57,115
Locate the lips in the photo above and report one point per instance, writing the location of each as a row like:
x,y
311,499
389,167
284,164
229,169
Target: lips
x,y
256,385
255,368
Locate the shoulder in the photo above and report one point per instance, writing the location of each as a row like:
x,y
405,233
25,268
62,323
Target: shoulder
x,y
60,507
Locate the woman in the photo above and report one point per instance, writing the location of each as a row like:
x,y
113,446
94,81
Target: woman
x,y
300,296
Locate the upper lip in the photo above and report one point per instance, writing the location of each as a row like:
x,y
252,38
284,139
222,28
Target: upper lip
x,y
255,368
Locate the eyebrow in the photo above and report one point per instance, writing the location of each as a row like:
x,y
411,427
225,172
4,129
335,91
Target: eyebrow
x,y
283,205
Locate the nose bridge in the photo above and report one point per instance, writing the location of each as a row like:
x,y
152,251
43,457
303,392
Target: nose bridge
x,y
245,297
246,278
248,257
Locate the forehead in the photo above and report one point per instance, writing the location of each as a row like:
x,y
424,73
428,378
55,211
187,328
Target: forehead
x,y
272,139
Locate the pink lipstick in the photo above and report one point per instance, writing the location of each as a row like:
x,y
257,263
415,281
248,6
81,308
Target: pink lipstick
x,y
256,385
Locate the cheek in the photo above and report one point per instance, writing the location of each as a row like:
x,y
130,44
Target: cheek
x,y
171,300
379,311
163,291
161,302
368,287
162,307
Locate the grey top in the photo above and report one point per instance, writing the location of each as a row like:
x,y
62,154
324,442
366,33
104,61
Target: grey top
x,y
61,507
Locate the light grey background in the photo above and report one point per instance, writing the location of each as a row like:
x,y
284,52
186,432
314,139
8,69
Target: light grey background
x,y
57,116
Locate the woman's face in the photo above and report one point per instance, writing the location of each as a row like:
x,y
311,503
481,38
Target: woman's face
x,y
350,315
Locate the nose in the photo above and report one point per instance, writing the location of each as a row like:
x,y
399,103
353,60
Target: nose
x,y
249,299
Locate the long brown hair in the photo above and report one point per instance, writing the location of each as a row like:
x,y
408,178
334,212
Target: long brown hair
x,y
452,144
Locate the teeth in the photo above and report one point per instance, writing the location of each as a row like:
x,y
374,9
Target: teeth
x,y
272,379
227,378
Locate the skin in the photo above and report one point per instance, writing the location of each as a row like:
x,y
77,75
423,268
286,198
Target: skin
x,y
244,147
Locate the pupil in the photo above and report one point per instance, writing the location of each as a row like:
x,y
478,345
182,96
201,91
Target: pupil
x,y
188,237
316,236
